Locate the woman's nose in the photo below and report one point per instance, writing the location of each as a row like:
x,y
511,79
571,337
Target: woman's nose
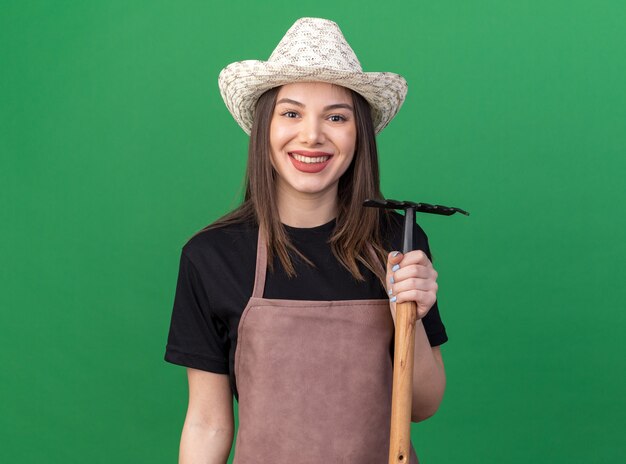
x,y
312,131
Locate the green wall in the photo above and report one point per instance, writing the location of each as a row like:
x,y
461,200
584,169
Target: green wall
x,y
115,147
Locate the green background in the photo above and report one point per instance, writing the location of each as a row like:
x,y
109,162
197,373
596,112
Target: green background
x,y
116,147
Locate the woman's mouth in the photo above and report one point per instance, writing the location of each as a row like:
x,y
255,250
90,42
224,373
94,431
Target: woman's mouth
x,y
310,162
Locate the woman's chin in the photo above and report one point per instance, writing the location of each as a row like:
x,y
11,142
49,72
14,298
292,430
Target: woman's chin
x,y
313,189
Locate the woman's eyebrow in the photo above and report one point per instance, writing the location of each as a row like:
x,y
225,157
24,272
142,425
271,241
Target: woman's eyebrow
x,y
289,100
338,105
329,107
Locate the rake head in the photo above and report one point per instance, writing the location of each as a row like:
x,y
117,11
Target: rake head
x,y
421,207
409,215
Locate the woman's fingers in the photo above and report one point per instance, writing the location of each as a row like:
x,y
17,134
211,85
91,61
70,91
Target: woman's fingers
x,y
411,277
407,285
415,264
414,271
423,298
415,257
394,258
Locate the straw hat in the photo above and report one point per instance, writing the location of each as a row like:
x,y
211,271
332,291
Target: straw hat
x,y
312,50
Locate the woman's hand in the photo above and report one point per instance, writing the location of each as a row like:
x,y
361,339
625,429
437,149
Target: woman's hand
x,y
411,277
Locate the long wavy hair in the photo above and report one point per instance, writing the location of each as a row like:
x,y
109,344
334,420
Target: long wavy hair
x,y
356,227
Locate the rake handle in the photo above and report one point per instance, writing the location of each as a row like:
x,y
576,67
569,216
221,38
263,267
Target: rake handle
x,y
402,392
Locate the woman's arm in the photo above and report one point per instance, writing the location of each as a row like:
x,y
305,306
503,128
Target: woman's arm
x,y
209,425
411,277
429,377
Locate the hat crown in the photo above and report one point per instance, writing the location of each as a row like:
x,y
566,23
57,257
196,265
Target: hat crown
x,y
315,42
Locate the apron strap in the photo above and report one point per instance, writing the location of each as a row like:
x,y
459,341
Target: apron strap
x,y
372,253
261,266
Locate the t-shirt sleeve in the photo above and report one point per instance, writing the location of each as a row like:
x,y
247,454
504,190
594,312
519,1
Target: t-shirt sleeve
x,y
197,338
433,325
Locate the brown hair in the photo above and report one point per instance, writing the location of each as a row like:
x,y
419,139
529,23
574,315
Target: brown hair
x,y
356,226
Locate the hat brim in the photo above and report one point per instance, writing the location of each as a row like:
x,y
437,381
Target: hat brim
x,y
243,82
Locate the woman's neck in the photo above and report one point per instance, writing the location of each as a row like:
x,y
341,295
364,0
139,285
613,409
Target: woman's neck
x,y
306,210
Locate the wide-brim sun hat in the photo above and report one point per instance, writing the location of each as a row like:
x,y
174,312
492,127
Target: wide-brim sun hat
x,y
312,50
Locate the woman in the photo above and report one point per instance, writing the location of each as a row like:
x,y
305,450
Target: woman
x,y
289,301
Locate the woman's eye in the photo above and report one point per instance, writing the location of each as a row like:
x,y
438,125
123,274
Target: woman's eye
x,y
290,114
337,118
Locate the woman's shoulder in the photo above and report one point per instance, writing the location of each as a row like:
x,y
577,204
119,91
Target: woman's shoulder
x,y
221,239
394,224
392,229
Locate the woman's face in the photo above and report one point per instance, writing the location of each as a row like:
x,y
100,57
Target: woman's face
x,y
312,138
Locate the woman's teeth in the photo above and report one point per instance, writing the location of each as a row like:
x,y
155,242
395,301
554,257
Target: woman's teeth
x,y
309,159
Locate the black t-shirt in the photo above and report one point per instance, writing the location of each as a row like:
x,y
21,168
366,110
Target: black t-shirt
x,y
216,278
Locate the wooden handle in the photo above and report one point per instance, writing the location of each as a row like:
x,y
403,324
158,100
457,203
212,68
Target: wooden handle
x,y
401,399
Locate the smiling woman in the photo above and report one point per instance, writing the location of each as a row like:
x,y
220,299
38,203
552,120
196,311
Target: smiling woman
x,y
287,303
312,141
